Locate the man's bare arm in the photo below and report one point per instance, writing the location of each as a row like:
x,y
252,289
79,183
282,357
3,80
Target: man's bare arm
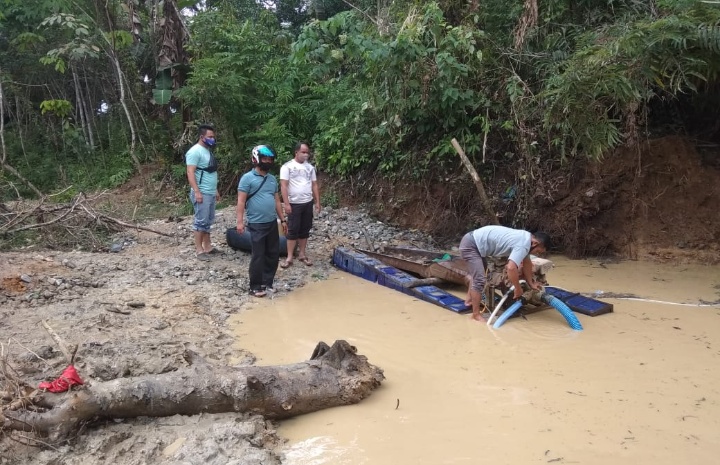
x,y
193,183
514,276
316,194
528,272
242,199
278,207
284,187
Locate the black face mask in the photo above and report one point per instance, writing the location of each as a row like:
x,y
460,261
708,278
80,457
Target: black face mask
x,y
533,249
265,166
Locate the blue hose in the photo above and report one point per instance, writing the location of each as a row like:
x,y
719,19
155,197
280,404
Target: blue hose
x,y
507,314
564,310
553,301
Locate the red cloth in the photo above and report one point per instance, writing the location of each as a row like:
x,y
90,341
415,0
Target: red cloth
x,y
67,379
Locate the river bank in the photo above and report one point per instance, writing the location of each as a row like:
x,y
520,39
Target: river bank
x,y
133,311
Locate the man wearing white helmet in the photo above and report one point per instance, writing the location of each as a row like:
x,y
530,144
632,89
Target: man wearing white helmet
x,y
258,199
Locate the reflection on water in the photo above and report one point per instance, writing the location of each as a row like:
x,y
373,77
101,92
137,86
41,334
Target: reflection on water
x,y
636,386
319,450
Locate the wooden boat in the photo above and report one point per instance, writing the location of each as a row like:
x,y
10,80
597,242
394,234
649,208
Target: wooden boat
x,y
444,267
424,263
372,269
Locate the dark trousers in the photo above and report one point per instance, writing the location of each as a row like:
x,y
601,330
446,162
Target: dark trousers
x,y
300,221
265,241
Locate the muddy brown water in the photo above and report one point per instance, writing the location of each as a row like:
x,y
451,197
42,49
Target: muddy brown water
x,y
640,385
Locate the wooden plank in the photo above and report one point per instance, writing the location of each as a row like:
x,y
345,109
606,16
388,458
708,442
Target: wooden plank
x,y
421,264
455,270
400,263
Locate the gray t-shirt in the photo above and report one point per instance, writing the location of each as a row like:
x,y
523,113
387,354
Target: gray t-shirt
x,y
499,241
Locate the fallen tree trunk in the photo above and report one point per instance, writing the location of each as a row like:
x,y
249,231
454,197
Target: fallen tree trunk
x,y
332,377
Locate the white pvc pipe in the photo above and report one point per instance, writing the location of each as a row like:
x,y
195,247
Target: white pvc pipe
x,y
499,305
502,301
640,299
661,301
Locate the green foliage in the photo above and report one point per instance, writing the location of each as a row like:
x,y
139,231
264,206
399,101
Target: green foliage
x,y
620,69
64,196
239,78
61,108
162,96
380,87
162,93
79,47
27,40
64,122
388,100
179,173
330,198
119,39
120,177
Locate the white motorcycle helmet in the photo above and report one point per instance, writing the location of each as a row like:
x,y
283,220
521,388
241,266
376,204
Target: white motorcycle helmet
x,y
260,151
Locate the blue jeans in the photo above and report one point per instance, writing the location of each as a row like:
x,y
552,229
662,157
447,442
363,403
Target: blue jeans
x,y
204,212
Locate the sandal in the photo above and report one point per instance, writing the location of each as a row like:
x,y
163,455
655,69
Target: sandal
x,y
257,293
285,264
305,260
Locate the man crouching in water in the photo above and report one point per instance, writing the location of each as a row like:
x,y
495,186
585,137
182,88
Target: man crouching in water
x,y
500,242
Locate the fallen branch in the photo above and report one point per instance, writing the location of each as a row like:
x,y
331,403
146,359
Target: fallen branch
x,y
67,215
68,353
15,393
332,377
117,310
135,226
47,223
484,200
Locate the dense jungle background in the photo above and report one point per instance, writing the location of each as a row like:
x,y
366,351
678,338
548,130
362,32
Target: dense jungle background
x,y
595,120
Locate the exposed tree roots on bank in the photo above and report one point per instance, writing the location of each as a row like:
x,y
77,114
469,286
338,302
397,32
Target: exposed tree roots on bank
x,y
333,376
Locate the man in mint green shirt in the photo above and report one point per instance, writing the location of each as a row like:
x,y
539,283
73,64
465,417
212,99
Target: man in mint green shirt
x,y
203,178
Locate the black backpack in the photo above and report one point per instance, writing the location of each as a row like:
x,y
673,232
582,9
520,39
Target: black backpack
x,y
210,168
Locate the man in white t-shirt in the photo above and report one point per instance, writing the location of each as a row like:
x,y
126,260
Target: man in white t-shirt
x,y
299,186
500,242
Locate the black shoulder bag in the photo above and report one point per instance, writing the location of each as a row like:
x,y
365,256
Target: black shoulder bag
x,y
256,190
210,168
